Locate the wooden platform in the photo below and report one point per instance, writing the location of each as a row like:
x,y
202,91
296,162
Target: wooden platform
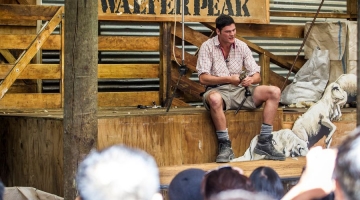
x,y
291,168
181,137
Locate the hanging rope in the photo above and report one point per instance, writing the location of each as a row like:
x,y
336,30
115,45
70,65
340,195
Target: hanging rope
x,y
302,45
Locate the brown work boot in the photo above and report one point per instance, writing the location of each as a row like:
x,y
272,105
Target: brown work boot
x,y
265,147
225,152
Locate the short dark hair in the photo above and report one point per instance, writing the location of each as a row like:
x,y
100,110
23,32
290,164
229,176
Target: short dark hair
x,y
347,165
223,179
267,180
223,20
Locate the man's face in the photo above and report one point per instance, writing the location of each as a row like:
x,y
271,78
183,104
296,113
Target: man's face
x,y
227,34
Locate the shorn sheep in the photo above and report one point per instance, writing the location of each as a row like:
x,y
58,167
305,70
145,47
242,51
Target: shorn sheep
x,y
320,114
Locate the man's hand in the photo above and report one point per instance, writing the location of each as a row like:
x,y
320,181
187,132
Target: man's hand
x,y
247,81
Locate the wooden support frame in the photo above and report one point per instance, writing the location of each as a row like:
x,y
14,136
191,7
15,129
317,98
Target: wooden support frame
x,y
30,52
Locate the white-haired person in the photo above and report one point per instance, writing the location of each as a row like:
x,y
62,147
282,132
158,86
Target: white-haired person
x,y
118,172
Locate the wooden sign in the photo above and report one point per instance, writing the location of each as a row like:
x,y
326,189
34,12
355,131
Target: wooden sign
x,y
243,11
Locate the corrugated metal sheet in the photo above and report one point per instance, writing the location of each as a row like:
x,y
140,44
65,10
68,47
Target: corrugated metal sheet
x,y
277,47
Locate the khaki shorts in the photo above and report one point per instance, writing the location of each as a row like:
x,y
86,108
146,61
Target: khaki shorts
x,y
232,96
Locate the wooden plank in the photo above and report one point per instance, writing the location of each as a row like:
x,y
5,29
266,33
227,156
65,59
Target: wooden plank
x,y
8,56
128,71
24,2
126,43
194,37
30,100
113,99
165,62
256,11
53,71
106,43
190,60
27,12
14,22
309,15
186,85
277,80
29,54
23,41
264,62
33,71
290,168
36,143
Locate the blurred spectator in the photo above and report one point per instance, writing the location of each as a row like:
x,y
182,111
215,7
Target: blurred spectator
x,y
186,185
2,190
118,172
240,194
223,179
267,181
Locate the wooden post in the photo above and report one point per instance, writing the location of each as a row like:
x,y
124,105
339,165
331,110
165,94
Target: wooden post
x,y
80,87
264,62
165,62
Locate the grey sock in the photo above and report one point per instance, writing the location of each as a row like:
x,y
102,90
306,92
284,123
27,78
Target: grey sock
x,y
266,129
223,134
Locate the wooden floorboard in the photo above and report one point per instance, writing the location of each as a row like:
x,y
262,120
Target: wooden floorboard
x,y
290,168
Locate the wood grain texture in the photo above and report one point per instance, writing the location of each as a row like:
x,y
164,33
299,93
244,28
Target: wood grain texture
x,y
290,168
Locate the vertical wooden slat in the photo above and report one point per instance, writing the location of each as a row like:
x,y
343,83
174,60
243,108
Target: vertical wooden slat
x,y
30,52
62,61
165,61
264,62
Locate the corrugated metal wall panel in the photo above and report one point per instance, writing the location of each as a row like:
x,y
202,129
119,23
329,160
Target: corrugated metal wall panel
x,y
277,47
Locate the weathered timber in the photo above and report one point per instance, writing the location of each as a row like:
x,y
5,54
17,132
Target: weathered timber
x,y
14,22
186,85
190,60
165,63
277,80
106,43
27,12
290,168
30,100
33,71
8,56
30,52
194,37
113,99
264,62
80,87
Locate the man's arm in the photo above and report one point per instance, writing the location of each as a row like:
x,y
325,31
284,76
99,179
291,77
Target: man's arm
x,y
207,79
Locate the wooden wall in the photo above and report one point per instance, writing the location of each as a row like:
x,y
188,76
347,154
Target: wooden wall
x,y
32,153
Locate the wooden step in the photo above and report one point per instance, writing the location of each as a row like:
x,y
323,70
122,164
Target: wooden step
x,y
291,168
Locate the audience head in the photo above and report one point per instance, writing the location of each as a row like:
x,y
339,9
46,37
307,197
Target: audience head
x,y
223,20
223,179
118,172
240,194
2,190
266,180
186,185
347,168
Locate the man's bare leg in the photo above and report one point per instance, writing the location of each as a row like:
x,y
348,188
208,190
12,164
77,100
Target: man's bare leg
x,y
270,95
216,104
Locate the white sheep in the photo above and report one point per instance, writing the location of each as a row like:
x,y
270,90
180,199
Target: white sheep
x,y
320,114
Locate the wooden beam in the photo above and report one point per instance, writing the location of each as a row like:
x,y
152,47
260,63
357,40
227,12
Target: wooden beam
x,y
309,15
117,99
27,12
186,85
8,56
190,60
128,71
14,22
23,2
264,62
194,37
23,41
33,71
31,51
165,62
30,100
277,80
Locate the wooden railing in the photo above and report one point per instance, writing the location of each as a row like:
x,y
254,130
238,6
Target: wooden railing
x,y
166,70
